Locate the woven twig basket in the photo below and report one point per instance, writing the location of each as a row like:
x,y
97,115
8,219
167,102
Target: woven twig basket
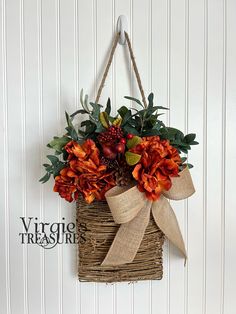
x,y
97,229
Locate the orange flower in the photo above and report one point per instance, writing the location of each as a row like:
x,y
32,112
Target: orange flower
x,y
159,161
65,185
85,173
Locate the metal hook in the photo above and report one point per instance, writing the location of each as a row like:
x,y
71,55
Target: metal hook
x,y
122,27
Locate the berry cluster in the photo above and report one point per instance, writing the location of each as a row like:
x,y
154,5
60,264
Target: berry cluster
x,y
112,135
113,142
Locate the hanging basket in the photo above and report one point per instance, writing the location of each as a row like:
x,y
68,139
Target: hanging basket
x,y
121,170
97,230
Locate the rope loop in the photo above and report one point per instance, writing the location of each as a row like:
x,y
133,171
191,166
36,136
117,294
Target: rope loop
x,y
134,67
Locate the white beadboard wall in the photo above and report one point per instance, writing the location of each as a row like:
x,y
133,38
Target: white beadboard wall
x,y
186,54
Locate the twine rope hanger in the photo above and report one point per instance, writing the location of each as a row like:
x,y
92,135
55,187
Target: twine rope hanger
x,y
134,67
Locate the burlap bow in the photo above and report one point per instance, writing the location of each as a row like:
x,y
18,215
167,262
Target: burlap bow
x,y
132,210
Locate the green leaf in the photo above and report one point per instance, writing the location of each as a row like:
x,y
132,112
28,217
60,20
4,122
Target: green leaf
x,y
189,137
171,133
182,149
150,100
161,107
84,102
129,129
189,165
151,132
96,111
134,99
123,111
52,158
58,168
146,112
65,154
90,126
82,111
86,123
82,133
133,142
183,159
72,133
59,143
69,121
185,145
46,165
127,116
108,107
45,178
151,110
194,143
132,158
49,168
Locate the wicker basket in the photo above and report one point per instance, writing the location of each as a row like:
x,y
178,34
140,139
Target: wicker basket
x,y
97,229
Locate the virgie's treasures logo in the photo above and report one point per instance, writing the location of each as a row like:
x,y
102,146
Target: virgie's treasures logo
x,y
47,235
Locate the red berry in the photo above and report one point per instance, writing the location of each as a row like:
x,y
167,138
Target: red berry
x,y
123,140
108,153
120,148
129,136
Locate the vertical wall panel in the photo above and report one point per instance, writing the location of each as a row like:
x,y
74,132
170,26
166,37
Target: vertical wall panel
x,y
214,152
15,200
50,113
177,119
4,185
196,88
67,102
185,51
229,257
30,14
87,44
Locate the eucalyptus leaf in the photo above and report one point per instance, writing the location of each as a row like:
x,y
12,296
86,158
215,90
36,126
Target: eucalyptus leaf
x,y
190,137
80,111
53,158
59,142
134,99
84,102
108,107
194,143
45,178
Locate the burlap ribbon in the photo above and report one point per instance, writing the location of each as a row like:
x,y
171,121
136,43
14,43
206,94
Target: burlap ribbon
x,y
132,210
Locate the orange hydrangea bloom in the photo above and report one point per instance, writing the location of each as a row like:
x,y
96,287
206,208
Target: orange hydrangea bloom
x,y
159,161
85,174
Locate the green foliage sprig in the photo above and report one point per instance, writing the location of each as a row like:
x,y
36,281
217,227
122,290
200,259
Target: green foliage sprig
x,y
53,169
139,122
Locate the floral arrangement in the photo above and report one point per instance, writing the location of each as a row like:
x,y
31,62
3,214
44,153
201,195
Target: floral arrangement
x,y
132,147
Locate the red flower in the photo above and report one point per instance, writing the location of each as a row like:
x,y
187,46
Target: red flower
x,y
158,163
85,173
